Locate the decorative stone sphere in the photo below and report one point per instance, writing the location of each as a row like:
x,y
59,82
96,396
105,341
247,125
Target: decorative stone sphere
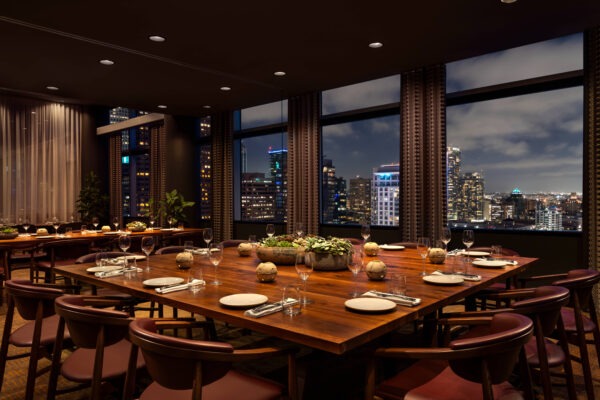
x,y
105,228
266,271
184,260
436,255
245,249
376,270
42,231
371,249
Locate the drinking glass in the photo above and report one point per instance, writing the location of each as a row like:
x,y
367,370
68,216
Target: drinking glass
x,y
151,219
95,222
188,246
56,225
299,229
355,264
291,300
68,231
252,241
171,221
124,242
365,232
26,225
497,251
207,234
195,280
468,238
270,230
446,236
215,255
116,223
304,267
423,245
147,244
397,284
83,230
100,256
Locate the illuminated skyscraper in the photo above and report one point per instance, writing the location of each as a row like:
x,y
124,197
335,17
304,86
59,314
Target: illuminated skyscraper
x,y
470,203
278,169
359,199
453,173
257,197
386,190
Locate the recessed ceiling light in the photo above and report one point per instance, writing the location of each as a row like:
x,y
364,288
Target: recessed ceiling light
x,y
33,112
508,1
375,45
157,38
225,88
206,106
161,106
279,73
51,88
107,62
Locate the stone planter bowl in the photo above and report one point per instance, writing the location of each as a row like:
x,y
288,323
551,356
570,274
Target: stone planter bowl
x,y
278,255
330,262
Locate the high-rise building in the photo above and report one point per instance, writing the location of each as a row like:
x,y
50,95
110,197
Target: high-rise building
x,y
359,199
470,201
278,169
328,191
549,218
453,160
257,197
386,191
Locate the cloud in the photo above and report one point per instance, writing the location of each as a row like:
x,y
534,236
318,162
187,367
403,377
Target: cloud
x,y
365,94
265,114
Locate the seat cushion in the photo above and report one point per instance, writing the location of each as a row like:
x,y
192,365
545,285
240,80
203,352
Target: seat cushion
x,y
22,336
556,356
79,366
568,316
234,385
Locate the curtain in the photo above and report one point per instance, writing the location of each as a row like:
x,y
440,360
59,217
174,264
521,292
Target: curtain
x,y
303,161
423,153
158,163
40,147
115,184
222,175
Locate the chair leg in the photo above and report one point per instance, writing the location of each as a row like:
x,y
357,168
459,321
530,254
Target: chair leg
x,y
564,344
5,336
34,356
582,343
56,356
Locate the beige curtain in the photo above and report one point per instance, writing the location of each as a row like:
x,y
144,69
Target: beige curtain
x,y
222,175
303,161
40,147
423,153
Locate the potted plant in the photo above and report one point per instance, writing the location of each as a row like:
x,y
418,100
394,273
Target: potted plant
x,y
91,201
280,249
6,232
331,254
173,206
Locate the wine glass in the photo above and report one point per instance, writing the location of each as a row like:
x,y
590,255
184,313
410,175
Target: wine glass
x,y
26,225
446,236
355,264
147,244
56,225
299,229
171,221
207,234
423,245
95,222
270,230
116,223
304,267
468,238
215,255
124,244
151,219
365,232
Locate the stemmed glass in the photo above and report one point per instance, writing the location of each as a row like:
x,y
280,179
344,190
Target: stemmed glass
x,y
26,225
56,225
270,230
124,244
151,219
445,237
355,264
304,267
147,247
207,234
468,238
423,245
299,229
116,223
215,255
95,222
171,222
365,232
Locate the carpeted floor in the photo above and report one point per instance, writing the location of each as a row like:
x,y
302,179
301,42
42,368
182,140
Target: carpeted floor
x,y
344,375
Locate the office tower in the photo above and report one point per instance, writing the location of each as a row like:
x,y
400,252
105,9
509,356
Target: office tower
x,y
257,197
386,190
278,170
549,219
470,201
359,199
519,204
453,158
328,191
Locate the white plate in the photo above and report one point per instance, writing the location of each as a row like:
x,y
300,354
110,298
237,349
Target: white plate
x,y
243,300
391,247
367,304
167,229
113,233
104,268
490,263
474,253
46,237
443,279
160,282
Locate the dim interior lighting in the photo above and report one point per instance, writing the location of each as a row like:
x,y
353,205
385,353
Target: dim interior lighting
x,y
51,88
508,1
107,62
279,73
225,88
375,45
161,106
206,106
157,38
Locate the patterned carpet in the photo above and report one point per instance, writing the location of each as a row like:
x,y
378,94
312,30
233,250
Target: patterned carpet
x,y
316,370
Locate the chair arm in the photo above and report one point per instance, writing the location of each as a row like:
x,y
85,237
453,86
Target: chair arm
x,y
469,314
467,320
66,288
98,301
262,352
534,278
511,294
417,353
175,323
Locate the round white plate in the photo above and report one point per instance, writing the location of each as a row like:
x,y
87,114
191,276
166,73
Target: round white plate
x,y
243,300
46,237
490,263
104,268
367,304
474,253
167,229
112,233
443,279
391,247
159,282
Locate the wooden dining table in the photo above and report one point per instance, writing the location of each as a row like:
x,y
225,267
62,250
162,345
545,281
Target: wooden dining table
x,y
326,323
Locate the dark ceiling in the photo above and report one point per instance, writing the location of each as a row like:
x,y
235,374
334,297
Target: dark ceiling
x,y
240,44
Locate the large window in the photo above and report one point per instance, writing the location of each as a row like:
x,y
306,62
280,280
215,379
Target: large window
x,y
516,162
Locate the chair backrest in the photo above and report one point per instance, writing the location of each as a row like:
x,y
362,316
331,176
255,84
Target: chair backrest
x,y
505,251
66,248
544,303
354,241
27,297
233,242
173,362
170,249
86,323
497,348
581,283
91,257
408,245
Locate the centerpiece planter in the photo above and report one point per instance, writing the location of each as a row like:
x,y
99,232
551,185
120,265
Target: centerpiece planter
x,y
280,250
330,254
8,233
330,262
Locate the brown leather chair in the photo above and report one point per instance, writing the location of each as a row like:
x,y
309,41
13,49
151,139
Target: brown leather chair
x,y
170,249
35,304
232,242
197,369
408,245
100,336
468,368
60,252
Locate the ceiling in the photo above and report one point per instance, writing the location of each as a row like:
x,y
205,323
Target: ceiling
x,y
240,44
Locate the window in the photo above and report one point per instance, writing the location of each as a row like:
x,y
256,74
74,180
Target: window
x,y
516,162
361,95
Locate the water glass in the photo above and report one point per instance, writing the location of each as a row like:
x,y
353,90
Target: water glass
x,y
497,250
100,256
292,300
68,231
188,246
397,284
460,264
180,226
195,280
270,230
83,230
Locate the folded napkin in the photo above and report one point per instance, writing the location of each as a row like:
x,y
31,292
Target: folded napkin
x,y
466,277
117,272
176,288
268,308
454,252
508,262
396,298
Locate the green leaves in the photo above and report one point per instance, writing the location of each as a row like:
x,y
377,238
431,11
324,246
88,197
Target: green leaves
x,y
173,206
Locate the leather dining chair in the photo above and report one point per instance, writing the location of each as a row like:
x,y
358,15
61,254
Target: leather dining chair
x,y
474,367
102,349
35,304
60,252
170,250
199,369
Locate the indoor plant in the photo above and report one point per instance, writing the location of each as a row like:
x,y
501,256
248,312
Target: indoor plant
x,y
6,232
172,207
280,249
91,201
331,254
